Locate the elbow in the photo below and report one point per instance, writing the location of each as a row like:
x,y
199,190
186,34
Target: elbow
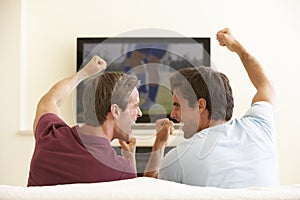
x,y
152,174
266,93
271,93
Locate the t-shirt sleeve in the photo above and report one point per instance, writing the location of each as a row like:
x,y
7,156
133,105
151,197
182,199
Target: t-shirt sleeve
x,y
171,169
47,123
264,116
128,172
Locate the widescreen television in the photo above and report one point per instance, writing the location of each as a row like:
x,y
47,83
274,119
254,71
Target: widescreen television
x,y
152,60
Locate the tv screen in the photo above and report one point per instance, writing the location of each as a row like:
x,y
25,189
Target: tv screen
x,y
152,60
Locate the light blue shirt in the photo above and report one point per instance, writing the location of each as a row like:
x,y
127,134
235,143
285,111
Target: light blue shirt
x,y
240,153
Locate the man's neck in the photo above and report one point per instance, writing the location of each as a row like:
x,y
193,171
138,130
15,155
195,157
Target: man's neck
x,y
212,123
216,122
100,131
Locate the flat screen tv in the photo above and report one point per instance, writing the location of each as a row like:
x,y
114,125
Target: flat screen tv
x,y
152,60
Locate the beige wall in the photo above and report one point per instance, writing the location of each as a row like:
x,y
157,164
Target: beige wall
x,y
46,32
15,150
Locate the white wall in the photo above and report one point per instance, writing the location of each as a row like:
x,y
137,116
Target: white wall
x,y
47,32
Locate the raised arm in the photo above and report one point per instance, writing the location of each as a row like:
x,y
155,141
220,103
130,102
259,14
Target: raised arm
x,y
265,90
164,128
54,98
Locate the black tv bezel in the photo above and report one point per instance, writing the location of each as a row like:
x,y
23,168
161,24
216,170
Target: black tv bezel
x,y
80,41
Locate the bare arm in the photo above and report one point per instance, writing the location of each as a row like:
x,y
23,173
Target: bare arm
x,y
54,98
265,90
128,150
164,129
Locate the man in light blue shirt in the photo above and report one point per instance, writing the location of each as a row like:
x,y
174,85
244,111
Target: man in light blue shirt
x,y
220,152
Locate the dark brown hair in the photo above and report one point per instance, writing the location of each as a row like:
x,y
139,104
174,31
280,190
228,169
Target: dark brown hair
x,y
204,82
229,97
103,91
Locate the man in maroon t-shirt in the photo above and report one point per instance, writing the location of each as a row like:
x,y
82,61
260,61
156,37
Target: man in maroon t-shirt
x,y
83,154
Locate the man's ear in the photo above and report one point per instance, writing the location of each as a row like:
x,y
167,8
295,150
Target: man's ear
x,y
115,111
202,105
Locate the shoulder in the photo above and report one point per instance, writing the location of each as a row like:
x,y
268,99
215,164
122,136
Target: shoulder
x,y
50,116
261,108
261,112
48,123
259,121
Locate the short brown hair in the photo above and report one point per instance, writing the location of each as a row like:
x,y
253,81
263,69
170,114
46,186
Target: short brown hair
x,y
229,97
204,82
103,91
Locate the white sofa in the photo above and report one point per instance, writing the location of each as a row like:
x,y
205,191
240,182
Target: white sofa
x,y
144,188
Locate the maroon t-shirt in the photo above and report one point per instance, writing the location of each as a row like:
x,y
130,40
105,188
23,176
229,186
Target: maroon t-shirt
x,y
63,155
